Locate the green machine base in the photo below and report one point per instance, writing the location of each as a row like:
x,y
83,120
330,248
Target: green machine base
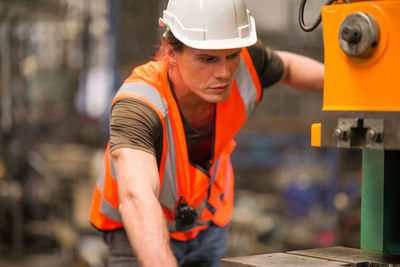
x,y
380,201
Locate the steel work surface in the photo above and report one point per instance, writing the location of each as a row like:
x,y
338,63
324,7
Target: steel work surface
x,y
334,256
278,259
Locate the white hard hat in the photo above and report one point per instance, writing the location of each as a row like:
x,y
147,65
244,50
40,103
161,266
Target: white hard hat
x,y
210,24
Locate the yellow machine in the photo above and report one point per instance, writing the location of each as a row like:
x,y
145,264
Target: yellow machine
x,y
361,92
361,108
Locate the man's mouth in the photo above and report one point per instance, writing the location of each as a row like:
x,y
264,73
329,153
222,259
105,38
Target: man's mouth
x,y
220,88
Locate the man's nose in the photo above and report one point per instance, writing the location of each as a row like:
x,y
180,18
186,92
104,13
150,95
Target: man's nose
x,y
222,70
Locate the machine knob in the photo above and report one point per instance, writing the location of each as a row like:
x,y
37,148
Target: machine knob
x,y
359,35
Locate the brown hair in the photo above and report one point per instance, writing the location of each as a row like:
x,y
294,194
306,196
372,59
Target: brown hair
x,y
168,38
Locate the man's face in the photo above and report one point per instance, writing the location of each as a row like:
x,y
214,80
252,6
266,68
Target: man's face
x,y
208,73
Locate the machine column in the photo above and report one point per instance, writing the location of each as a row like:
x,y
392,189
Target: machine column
x,y
380,201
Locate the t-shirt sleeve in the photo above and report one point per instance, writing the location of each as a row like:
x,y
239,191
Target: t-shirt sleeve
x,y
267,63
134,124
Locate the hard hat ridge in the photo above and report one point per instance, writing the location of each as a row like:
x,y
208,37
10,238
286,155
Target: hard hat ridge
x,y
210,24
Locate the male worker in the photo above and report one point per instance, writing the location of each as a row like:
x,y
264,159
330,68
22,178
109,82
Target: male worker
x,y
167,194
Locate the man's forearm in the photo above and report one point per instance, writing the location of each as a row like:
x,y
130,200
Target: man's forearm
x,y
301,72
147,232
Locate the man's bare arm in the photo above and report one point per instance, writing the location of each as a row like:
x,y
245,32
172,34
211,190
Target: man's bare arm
x,y
301,72
142,216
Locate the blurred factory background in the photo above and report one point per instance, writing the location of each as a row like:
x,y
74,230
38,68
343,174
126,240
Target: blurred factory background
x,y
61,62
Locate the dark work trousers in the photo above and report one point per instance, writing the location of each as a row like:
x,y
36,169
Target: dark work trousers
x,y
206,250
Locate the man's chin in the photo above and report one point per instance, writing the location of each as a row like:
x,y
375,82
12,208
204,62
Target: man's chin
x,y
217,98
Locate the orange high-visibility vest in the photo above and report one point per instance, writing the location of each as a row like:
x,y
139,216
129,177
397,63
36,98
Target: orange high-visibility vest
x,y
211,194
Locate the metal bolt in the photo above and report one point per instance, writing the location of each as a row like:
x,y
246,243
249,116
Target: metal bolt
x,y
340,134
352,34
374,135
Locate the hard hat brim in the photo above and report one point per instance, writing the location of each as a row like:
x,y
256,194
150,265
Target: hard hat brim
x,y
216,44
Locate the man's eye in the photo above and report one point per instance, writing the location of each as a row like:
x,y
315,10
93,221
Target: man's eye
x,y
207,59
233,56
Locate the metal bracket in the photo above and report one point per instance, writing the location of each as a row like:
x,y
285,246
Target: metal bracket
x,y
359,132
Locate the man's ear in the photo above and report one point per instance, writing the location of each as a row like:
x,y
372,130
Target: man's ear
x,y
171,54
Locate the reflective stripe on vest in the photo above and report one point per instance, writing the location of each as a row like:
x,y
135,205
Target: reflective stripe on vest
x,y
169,187
105,207
247,89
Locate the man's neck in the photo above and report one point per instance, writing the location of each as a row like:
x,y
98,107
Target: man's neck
x,y
197,112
